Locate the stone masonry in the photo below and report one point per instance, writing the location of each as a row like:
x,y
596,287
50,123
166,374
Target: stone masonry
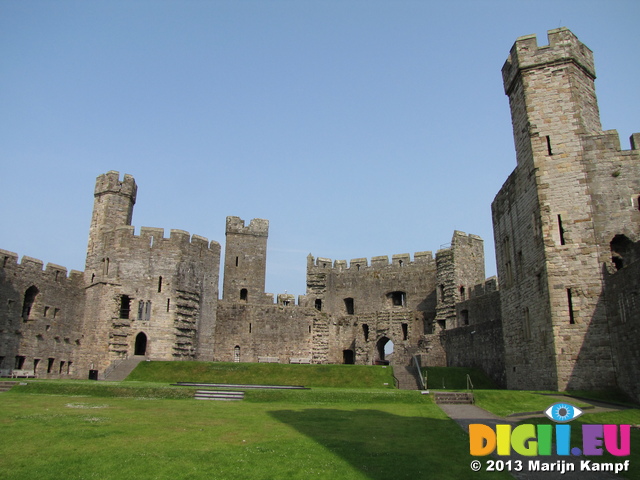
x,y
565,315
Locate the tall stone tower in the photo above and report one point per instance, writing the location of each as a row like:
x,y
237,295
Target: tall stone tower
x,y
112,207
555,330
245,260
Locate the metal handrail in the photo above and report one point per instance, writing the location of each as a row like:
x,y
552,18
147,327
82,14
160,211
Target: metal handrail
x,y
423,382
469,383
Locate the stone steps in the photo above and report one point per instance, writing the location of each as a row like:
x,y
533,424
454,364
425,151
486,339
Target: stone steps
x,y
218,395
124,368
406,377
6,386
454,398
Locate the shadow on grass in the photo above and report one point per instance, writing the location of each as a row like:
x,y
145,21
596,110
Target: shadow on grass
x,y
382,445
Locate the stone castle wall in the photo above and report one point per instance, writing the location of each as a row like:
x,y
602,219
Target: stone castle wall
x,y
40,326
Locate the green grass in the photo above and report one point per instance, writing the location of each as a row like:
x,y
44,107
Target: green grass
x,y
508,402
343,376
332,434
455,378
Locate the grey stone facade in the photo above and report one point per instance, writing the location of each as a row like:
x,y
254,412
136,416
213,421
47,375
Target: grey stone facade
x,y
565,315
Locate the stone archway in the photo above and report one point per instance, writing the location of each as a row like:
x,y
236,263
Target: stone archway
x,y
141,344
384,347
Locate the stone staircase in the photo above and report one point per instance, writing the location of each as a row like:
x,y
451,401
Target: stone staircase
x,y
407,378
454,398
124,368
218,395
6,386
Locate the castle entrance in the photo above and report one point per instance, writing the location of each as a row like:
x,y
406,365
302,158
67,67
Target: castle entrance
x,y
141,344
384,348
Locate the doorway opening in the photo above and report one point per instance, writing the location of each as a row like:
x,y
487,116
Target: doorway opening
x,y
141,344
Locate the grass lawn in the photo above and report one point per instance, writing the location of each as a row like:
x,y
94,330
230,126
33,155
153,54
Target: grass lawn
x,y
343,376
334,433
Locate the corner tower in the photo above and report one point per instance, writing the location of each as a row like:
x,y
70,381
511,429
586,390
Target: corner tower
x,y
554,321
245,260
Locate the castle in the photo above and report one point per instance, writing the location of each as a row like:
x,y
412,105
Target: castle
x,y
565,315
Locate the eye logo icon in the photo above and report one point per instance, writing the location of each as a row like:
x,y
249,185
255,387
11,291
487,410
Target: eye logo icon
x,y
562,412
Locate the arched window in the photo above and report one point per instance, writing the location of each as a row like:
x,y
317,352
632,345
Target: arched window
x,y
29,299
236,354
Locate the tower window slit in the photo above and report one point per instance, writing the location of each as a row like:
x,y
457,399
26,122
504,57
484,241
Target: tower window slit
x,y
561,230
549,151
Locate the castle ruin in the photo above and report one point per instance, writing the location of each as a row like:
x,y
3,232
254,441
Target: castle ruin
x,y
564,315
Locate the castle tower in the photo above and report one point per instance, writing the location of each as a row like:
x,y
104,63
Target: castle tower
x,y
555,330
112,207
245,260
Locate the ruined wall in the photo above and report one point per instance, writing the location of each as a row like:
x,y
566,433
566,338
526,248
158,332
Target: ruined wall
x,y
378,286
245,332
40,312
459,268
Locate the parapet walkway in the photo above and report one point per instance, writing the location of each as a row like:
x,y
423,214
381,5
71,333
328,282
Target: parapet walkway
x,y
464,415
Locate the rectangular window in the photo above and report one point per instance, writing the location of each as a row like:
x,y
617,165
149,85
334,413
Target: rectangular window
x,y
125,306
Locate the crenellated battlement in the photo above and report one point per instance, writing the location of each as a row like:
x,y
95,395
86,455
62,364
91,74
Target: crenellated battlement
x,y
399,261
154,238
257,227
9,260
110,183
563,47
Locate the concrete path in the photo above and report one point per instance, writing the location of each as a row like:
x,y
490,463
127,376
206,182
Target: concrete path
x,y
464,415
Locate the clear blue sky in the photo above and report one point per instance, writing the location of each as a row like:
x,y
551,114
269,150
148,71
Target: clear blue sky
x,y
357,128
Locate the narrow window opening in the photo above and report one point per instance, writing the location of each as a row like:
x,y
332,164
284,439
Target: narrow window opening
x,y
549,151
243,294
159,284
168,303
29,299
50,364
250,327
561,230
527,325
318,304
69,367
93,277
57,275
365,330
463,294
46,310
237,260
62,363
105,266
4,261
638,200
56,311
309,328
401,263
125,306
348,305
572,319
36,362
405,331
140,310
147,311
441,290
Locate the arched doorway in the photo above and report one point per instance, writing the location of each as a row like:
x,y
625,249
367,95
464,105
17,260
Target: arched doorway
x,y
236,354
384,348
141,344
